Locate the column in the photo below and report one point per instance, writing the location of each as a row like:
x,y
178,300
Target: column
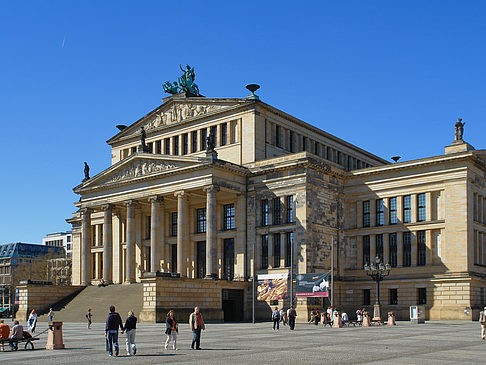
x,y
386,248
399,248
107,243
386,213
130,244
283,245
270,250
211,227
428,244
413,203
86,246
359,213
428,206
181,230
155,203
372,212
399,209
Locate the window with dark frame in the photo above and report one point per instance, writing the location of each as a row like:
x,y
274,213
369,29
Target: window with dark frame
x,y
264,212
173,258
173,224
393,293
289,239
366,213
421,207
421,248
148,227
201,220
407,209
167,146
304,143
265,251
224,134
176,145
213,132
276,250
290,208
366,250
291,141
407,249
277,136
229,216
379,212
204,136
393,250
393,211
379,246
158,147
366,296
421,295
194,142
276,211
185,144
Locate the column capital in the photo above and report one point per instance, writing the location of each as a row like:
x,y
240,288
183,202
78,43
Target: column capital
x,y
107,207
211,189
130,203
155,199
180,194
85,210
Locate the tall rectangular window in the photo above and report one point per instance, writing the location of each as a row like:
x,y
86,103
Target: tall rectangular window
x,y
224,134
201,259
366,213
290,209
213,133
148,227
185,144
201,220
421,207
167,146
421,248
277,136
379,212
421,295
229,216
173,258
366,296
291,141
393,211
276,250
176,145
194,141
407,249
393,250
316,148
304,143
265,251
366,250
204,136
393,296
158,147
379,247
276,211
289,241
173,224
407,209
265,212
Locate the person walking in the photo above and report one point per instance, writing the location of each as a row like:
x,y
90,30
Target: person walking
x,y
276,319
113,321
197,324
482,321
291,314
130,330
32,321
171,330
51,315
89,317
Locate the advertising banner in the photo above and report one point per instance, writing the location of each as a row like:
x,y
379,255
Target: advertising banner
x,y
272,286
312,285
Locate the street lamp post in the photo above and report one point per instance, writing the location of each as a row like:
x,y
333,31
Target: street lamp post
x,y
377,272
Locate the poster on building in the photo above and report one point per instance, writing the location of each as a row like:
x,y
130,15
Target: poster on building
x,y
272,286
312,285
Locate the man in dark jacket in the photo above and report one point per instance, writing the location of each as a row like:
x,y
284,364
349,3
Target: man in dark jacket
x,y
113,321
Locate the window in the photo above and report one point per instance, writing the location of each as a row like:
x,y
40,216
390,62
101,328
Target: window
x,y
201,259
316,148
289,241
148,227
393,250
290,209
134,149
304,143
276,211
421,207
204,136
201,220
224,134
194,142
393,296
366,213
366,250
173,257
393,211
277,136
291,141
176,145
276,250
173,224
150,147
407,249
185,144
167,146
229,216
265,251
264,212
421,295
68,239
407,209
421,248
379,212
379,246
366,296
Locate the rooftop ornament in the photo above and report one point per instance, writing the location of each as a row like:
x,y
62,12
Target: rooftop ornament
x,y
253,88
185,83
377,271
459,130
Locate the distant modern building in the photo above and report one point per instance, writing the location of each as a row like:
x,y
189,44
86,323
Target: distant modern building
x,y
59,239
23,261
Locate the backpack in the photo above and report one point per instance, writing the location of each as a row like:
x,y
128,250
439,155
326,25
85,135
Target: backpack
x,y
276,315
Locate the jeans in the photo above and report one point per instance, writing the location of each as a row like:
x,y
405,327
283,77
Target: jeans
x,y
291,322
172,335
276,322
197,338
131,348
112,341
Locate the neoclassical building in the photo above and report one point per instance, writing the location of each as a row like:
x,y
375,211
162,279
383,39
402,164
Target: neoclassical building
x,y
273,191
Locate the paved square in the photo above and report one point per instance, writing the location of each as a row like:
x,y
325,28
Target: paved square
x,y
244,343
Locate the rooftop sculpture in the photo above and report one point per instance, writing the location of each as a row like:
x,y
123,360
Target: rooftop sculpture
x,y
185,83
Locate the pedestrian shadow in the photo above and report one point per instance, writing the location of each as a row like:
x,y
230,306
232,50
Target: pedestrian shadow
x,y
206,349
151,355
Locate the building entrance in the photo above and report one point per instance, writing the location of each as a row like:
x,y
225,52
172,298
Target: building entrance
x,y
233,305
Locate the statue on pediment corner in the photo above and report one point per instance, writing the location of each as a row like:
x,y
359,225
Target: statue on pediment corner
x,y
459,130
86,171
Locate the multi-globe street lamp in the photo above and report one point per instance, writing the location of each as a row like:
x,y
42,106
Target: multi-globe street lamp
x,y
377,271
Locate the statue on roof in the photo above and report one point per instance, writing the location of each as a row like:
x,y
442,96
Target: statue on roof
x,y
184,84
143,136
459,130
86,171
171,88
210,142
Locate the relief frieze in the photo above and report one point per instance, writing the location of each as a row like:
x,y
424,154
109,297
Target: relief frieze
x,y
141,168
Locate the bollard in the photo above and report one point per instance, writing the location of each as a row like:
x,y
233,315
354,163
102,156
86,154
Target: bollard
x,y
391,319
54,336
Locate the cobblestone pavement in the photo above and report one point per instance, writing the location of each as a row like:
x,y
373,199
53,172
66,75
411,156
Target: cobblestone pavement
x,y
244,343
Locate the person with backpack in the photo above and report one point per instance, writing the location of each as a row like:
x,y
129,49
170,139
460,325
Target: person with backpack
x,y
291,314
276,319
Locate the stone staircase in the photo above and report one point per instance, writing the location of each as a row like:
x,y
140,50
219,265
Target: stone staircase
x,y
124,297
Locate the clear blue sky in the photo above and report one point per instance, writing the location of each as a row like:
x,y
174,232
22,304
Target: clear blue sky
x,y
389,76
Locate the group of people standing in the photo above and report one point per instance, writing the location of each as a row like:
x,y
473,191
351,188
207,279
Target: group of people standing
x,y
286,317
114,322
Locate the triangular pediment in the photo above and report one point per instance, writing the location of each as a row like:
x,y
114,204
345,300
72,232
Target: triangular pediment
x,y
177,110
139,166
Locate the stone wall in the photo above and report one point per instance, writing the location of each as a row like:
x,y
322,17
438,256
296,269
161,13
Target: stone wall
x,y
41,298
